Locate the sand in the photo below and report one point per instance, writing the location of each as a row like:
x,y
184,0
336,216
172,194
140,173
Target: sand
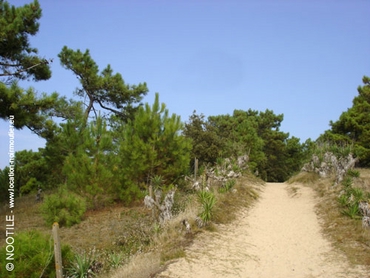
x,y
279,237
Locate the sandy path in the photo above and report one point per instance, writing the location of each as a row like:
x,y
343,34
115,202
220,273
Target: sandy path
x,y
279,237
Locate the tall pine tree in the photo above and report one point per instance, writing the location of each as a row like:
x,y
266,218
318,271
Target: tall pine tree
x,y
151,145
353,126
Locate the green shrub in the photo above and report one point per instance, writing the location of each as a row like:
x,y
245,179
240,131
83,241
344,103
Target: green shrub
x,y
357,193
343,200
64,207
352,211
227,186
347,182
350,199
83,265
207,200
33,256
353,173
30,186
116,259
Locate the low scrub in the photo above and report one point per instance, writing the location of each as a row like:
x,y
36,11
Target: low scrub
x,y
170,240
64,207
33,256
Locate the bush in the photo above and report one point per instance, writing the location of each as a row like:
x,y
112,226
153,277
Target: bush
x,y
64,207
33,256
227,186
353,173
30,186
84,265
350,199
208,200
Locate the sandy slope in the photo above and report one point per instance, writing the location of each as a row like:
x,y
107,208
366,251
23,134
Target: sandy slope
x,y
279,237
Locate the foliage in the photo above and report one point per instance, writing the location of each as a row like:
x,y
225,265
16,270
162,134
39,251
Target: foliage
x,y
81,266
30,186
229,184
207,145
207,200
29,166
353,126
32,111
19,61
17,58
272,154
66,140
338,149
4,183
90,169
157,182
351,211
64,207
115,259
350,199
353,173
33,256
149,146
105,88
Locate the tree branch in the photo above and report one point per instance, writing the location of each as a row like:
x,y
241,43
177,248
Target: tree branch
x,y
43,62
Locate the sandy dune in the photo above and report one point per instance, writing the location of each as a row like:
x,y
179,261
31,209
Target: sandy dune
x,y
279,237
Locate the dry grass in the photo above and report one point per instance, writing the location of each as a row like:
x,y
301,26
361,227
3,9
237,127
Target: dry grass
x,y
26,214
343,232
305,178
293,191
142,265
132,231
243,194
171,243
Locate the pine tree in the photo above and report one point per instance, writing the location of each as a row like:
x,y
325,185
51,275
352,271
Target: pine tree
x,y
353,126
90,170
106,89
18,60
150,145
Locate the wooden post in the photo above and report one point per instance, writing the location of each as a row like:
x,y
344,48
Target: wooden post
x,y
195,169
154,209
57,251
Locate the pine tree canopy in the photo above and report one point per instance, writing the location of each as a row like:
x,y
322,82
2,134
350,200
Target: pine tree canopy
x,y
18,60
353,126
105,88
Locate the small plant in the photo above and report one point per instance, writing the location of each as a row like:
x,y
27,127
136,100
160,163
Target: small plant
x,y
157,182
352,211
219,161
343,200
64,207
157,228
83,264
227,186
358,194
235,168
353,173
115,259
208,200
347,182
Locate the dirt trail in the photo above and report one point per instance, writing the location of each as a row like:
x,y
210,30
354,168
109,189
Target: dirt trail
x,y
279,237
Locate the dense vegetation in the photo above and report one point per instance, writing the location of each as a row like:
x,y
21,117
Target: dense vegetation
x,y
353,126
110,148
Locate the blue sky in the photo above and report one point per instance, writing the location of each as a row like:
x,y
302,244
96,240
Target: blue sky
x,y
303,59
